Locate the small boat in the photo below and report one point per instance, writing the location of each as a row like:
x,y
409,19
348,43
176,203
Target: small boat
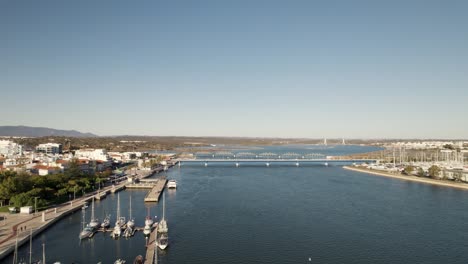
x,y
172,184
147,230
149,221
119,261
138,260
128,232
106,222
163,241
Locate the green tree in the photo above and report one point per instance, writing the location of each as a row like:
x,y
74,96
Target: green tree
x,y
21,199
421,172
434,171
409,170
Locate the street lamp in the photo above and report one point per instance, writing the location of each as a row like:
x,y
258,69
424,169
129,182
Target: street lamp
x,y
35,204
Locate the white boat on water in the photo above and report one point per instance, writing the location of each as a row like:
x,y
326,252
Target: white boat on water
x,y
119,261
147,230
163,224
148,220
172,184
86,230
131,221
94,222
163,241
120,221
106,222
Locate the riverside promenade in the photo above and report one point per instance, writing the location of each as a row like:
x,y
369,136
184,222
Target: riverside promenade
x,y
18,226
425,180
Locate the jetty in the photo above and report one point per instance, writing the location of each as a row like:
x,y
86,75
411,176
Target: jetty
x,y
155,192
151,247
117,188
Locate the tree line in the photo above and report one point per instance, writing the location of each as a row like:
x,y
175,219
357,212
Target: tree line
x,y
21,188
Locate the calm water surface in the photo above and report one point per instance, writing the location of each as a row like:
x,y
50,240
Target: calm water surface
x,y
281,214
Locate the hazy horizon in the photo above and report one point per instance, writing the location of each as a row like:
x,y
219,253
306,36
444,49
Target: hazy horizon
x,y
277,69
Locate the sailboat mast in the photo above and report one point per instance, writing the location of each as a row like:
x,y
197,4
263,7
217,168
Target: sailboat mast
x,y
30,246
43,253
92,210
130,208
164,205
118,207
15,254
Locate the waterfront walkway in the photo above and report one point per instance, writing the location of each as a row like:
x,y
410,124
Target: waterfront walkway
x,y
18,226
425,180
151,247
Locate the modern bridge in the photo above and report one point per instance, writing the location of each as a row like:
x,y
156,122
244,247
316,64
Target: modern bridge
x,y
267,158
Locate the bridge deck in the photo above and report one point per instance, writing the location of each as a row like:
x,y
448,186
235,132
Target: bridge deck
x,y
276,160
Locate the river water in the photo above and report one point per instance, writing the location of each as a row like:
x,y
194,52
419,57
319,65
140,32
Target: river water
x,y
280,214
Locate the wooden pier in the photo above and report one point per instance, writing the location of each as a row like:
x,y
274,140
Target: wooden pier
x,y
158,187
151,247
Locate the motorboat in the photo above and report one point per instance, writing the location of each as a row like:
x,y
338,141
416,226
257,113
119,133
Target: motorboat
x,y
172,184
119,261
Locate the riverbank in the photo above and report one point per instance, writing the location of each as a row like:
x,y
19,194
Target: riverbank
x,y
463,186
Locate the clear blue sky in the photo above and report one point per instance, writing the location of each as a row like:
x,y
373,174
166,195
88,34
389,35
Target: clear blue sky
x,y
354,69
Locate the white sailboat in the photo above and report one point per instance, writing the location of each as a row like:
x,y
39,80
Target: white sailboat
x,y
106,222
94,222
86,230
162,228
129,230
163,241
149,221
131,221
120,221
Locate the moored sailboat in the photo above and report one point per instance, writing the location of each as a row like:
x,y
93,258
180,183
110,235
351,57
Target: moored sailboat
x,y
86,230
120,221
94,222
162,227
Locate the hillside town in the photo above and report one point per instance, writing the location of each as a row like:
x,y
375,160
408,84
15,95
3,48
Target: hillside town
x,y
49,158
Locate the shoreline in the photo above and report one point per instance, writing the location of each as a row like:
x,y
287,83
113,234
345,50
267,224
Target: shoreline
x,y
409,178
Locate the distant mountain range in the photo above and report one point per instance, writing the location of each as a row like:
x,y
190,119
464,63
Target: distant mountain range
x,y
26,131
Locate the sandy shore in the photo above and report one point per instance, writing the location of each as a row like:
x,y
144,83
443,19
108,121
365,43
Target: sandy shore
x,y
410,178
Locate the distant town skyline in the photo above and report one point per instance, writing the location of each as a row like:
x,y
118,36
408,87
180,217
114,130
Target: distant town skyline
x,y
300,69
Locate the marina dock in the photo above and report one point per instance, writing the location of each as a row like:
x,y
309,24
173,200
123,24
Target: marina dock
x,y
117,188
155,192
151,246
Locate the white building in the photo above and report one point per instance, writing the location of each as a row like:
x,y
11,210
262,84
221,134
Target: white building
x,y
92,154
49,148
9,148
